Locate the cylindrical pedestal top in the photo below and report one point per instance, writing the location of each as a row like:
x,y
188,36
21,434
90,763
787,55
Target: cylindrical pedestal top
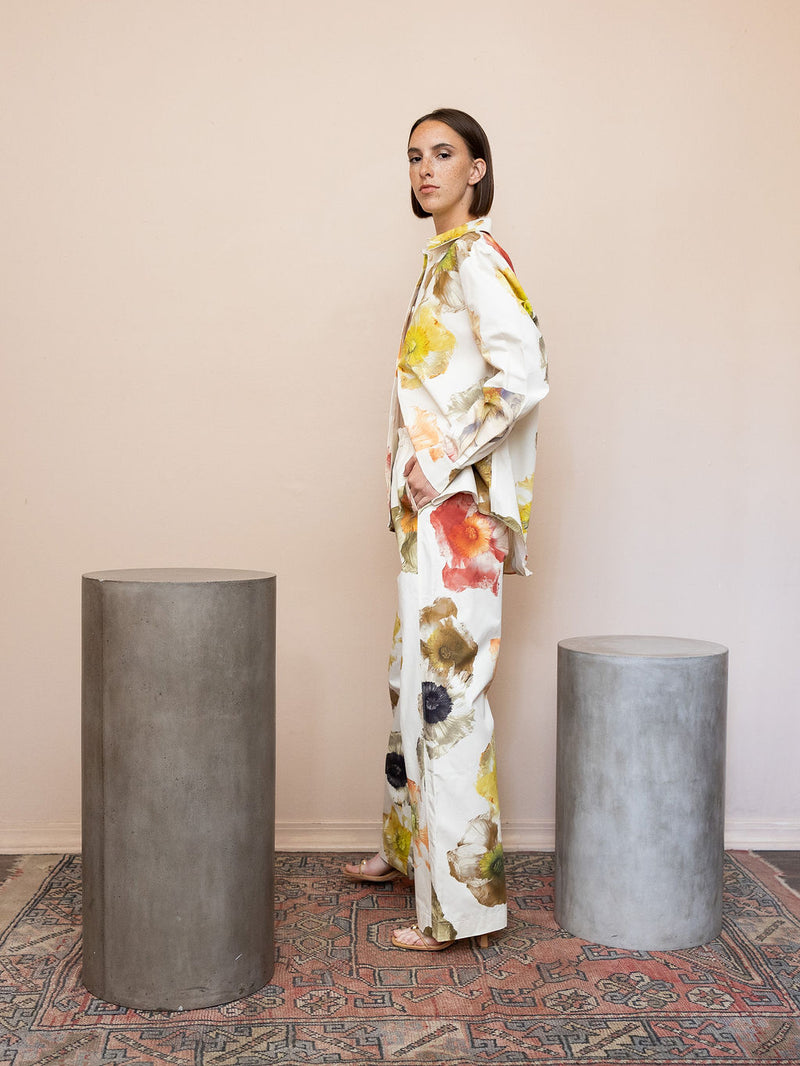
x,y
176,575
178,785
643,647
640,790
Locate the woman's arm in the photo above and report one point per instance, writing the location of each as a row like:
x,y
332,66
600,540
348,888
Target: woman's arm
x,y
516,371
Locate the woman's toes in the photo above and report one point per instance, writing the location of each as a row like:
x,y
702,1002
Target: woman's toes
x,y
375,866
412,937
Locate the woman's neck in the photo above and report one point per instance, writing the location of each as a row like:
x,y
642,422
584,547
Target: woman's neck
x,y
452,220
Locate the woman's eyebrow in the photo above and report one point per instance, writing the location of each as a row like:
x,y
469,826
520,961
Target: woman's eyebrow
x,y
443,144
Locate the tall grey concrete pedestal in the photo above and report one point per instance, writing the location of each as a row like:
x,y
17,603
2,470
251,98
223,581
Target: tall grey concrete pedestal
x,y
178,785
640,787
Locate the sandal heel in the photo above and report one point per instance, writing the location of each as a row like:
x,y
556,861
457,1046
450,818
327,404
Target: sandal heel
x,y
483,940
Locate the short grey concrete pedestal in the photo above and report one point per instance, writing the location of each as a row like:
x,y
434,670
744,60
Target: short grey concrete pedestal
x,y
640,787
178,785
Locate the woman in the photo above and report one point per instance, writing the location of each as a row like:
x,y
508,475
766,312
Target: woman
x,y
470,374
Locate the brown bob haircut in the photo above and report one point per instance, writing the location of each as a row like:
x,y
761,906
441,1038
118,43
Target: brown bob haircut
x,y
478,144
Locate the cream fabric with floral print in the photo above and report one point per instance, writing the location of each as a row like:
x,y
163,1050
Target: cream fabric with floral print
x,y
441,812
470,374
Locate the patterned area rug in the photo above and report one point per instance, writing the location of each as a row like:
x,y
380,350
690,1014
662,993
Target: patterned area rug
x,y
341,994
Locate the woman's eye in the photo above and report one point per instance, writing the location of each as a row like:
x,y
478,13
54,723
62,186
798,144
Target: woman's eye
x,y
413,159
444,155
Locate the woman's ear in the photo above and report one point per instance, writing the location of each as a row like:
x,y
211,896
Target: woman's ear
x,y
478,170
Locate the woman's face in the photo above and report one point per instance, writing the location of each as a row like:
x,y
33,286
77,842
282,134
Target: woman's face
x,y
442,173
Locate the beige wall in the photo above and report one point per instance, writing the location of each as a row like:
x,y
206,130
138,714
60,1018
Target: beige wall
x,y
206,257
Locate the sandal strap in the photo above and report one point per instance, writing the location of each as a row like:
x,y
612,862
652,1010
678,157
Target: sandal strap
x,y
419,934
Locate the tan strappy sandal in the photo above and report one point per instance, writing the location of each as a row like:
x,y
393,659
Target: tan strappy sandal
x,y
440,945
361,876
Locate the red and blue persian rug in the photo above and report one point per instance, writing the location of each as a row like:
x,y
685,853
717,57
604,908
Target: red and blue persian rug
x,y
342,994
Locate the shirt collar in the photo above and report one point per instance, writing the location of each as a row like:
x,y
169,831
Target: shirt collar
x,y
475,225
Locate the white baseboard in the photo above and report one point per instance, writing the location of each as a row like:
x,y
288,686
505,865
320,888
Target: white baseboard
x,y
364,836
744,835
54,838
60,838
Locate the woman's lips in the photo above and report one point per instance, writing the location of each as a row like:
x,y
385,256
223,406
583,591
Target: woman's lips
x,y
428,188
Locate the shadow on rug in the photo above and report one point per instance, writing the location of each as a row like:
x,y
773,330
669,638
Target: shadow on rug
x,y
341,994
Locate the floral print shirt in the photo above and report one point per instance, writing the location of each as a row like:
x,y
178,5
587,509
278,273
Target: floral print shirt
x,y
470,375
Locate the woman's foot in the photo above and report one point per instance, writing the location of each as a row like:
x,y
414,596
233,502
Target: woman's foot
x,y
372,870
413,939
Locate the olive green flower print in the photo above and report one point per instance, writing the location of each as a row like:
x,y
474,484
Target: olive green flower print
x,y
395,641
441,608
449,649
484,468
439,927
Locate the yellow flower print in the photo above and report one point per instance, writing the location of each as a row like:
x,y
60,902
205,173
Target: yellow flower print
x,y
513,284
427,348
396,839
524,499
450,235
425,434
486,785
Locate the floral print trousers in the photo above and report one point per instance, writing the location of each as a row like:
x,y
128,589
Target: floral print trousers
x,y
441,814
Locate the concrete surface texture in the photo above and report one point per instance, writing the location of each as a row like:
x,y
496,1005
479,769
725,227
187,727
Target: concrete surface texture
x,y
178,785
640,784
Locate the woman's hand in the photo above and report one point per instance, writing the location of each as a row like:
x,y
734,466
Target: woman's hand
x,y
419,488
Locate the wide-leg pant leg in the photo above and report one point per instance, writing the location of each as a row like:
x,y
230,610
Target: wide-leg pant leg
x,y
441,815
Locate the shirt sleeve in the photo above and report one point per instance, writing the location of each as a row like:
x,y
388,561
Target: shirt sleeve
x,y
505,330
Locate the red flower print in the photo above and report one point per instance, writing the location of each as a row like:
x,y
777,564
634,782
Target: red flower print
x,y
471,543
